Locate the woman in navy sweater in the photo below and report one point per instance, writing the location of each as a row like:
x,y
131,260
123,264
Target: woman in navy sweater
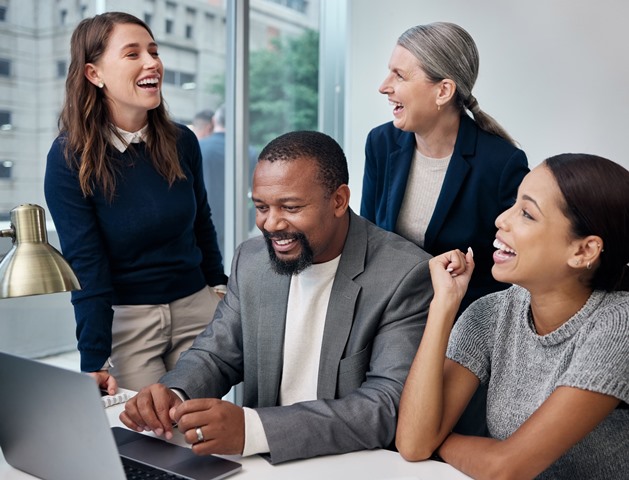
x,y
124,185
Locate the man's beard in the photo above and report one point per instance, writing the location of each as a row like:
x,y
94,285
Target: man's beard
x,y
289,267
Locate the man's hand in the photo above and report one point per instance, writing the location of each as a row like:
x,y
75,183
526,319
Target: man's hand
x,y
211,426
150,409
105,381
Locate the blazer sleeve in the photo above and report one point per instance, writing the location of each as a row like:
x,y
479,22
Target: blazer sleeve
x,y
370,182
215,361
512,175
365,415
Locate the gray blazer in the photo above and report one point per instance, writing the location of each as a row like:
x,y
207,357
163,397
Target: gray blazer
x,y
376,317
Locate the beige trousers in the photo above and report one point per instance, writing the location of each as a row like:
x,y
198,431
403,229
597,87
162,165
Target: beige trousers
x,y
148,339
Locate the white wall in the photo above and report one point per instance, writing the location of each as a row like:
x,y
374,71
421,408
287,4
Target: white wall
x,y
554,73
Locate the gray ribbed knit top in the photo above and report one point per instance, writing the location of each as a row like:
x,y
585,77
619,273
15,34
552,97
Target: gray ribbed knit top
x,y
496,340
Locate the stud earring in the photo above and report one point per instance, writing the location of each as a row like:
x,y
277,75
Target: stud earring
x,y
577,262
101,84
589,266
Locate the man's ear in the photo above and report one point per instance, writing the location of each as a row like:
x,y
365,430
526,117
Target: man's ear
x,y
341,200
92,75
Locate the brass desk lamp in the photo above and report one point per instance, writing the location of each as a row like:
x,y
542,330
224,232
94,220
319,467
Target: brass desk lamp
x,y
33,266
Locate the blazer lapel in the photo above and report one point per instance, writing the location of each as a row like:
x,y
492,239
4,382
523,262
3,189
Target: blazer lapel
x,y
454,179
272,323
340,314
398,168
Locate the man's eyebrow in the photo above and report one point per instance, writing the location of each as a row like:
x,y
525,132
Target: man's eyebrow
x,y
279,200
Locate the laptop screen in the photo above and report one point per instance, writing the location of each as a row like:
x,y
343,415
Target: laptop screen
x,y
54,426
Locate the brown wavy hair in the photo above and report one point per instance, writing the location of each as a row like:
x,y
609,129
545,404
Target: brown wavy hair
x,y
86,122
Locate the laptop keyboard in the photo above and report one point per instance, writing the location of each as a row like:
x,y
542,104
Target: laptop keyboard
x,y
138,471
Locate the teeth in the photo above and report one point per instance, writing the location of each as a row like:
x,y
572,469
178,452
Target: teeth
x,y
148,81
395,104
501,246
283,242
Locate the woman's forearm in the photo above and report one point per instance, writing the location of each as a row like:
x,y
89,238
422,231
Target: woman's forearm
x,y
420,427
474,456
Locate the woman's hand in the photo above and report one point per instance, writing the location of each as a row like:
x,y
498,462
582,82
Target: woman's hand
x,y
450,273
105,381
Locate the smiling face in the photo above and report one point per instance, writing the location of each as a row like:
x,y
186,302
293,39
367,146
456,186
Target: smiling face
x,y
131,71
412,94
534,238
300,221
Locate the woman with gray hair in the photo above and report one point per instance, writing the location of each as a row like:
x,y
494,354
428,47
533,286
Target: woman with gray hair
x,y
435,175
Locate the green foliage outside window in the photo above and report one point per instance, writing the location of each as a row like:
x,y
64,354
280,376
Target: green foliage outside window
x,y
283,88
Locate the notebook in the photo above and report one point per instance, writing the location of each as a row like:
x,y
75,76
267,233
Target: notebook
x,y
111,400
54,426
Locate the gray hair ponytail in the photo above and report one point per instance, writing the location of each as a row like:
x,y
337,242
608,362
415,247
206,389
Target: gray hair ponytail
x,y
445,50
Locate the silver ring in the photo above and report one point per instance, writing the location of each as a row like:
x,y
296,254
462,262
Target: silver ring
x,y
200,437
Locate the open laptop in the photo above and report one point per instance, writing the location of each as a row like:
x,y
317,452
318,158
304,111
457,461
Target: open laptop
x,y
53,426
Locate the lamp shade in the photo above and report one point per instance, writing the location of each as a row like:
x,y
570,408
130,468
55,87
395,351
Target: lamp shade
x,y
33,266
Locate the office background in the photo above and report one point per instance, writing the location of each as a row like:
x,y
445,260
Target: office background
x,y
552,72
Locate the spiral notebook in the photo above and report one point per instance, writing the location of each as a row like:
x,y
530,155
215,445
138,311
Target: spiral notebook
x,y
54,426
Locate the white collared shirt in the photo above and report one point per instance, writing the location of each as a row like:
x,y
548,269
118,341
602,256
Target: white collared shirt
x,y
129,138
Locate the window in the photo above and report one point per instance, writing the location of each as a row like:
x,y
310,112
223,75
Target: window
x,y
62,69
180,79
5,118
171,14
191,15
170,76
193,81
5,67
186,78
5,168
297,5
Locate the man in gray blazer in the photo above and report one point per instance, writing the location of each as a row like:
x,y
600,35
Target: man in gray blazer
x,y
321,321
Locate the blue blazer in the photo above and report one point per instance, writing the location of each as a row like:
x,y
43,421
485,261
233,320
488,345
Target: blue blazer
x,y
481,182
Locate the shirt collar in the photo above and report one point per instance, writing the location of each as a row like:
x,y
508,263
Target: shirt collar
x,y
129,138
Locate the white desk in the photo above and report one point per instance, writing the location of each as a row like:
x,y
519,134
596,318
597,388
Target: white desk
x,y
366,465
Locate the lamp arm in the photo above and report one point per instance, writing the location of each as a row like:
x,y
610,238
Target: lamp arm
x,y
8,232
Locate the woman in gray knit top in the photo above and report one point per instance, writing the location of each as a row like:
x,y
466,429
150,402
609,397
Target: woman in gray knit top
x,y
553,349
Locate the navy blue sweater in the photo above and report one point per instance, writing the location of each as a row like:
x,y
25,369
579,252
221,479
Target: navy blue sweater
x,y
152,244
